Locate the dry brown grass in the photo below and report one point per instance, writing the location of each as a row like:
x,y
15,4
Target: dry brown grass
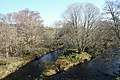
x,y
13,63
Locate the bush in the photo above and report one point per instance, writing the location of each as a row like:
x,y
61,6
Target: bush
x,y
40,51
69,53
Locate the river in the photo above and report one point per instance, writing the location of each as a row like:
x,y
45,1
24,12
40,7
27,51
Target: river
x,y
103,67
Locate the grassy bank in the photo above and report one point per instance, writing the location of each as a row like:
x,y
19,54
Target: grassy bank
x,y
12,64
67,60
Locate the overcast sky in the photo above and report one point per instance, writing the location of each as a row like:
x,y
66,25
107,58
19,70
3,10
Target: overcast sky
x,y
50,10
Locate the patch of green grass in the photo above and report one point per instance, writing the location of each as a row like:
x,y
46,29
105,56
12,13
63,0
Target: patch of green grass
x,y
3,63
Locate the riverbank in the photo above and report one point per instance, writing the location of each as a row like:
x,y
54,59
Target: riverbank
x,y
53,63
104,67
31,70
64,63
12,64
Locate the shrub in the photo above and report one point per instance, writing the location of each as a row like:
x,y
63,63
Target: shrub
x,y
69,53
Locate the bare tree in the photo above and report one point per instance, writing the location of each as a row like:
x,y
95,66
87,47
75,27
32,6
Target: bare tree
x,y
21,31
112,9
81,19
